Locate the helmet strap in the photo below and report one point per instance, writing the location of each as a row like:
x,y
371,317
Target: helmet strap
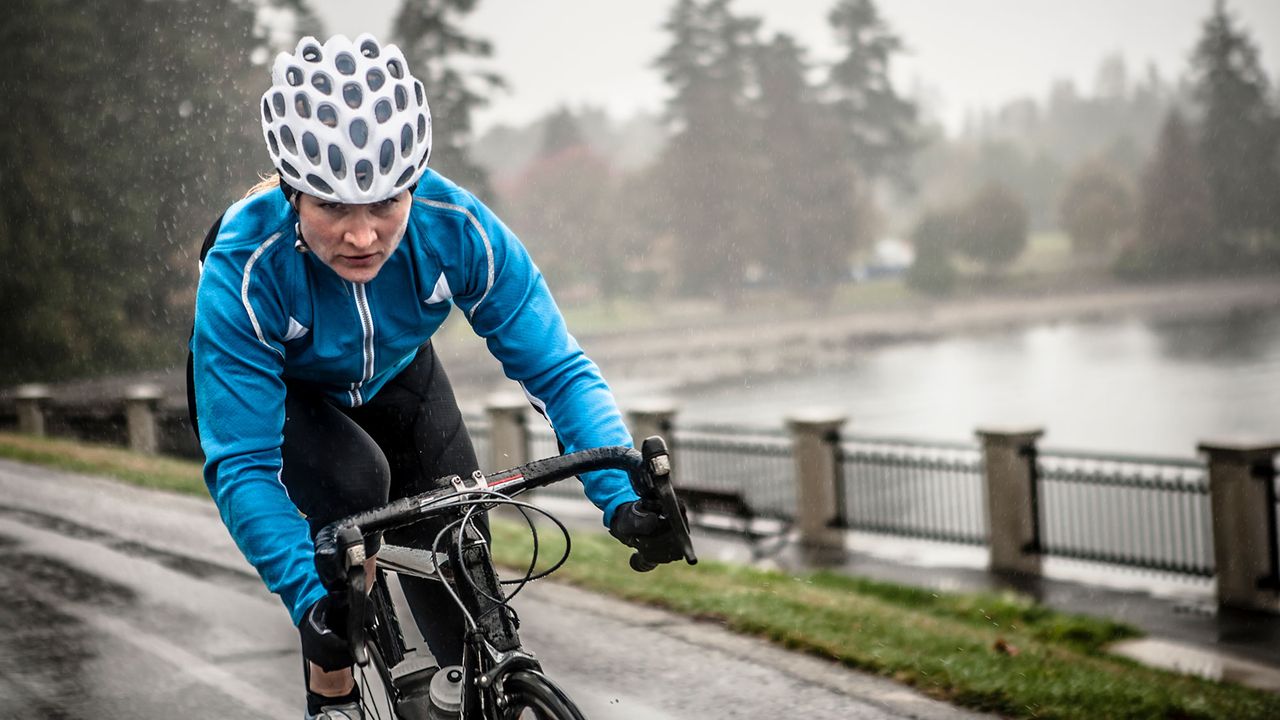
x,y
291,194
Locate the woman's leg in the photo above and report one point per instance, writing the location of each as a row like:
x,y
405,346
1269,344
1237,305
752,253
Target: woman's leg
x,y
416,421
331,469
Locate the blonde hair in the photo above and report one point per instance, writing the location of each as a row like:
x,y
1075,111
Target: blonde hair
x,y
265,183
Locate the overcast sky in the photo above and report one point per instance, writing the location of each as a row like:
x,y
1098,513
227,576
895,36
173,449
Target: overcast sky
x,y
965,55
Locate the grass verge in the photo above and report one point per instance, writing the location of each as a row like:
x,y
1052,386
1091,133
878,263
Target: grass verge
x,y
162,473
994,652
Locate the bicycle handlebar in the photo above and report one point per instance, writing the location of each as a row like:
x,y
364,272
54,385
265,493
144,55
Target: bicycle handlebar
x,y
340,552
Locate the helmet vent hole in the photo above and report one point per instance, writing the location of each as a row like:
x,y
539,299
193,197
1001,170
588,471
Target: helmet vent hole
x,y
319,184
364,174
417,90
311,147
277,104
406,140
337,163
311,53
359,132
376,79
266,109
395,68
402,98
386,156
302,105
404,176
271,140
422,128
286,137
423,161
369,49
327,115
293,76
289,169
345,64
352,95
322,82
382,111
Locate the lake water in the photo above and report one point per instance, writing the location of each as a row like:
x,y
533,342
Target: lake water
x,y
1130,386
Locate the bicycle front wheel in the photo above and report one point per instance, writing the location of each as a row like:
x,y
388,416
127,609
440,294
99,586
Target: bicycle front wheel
x,y
531,696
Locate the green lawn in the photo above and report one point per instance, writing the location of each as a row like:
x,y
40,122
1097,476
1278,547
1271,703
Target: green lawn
x,y
1000,653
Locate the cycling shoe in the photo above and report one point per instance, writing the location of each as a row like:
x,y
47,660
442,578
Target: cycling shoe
x,y
349,711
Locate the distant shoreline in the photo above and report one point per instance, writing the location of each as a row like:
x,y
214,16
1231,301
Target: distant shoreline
x,y
694,352
691,356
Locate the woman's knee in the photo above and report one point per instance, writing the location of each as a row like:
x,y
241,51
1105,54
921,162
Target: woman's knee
x,y
331,467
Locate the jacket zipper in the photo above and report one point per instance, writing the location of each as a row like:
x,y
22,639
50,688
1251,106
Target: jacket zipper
x,y
366,326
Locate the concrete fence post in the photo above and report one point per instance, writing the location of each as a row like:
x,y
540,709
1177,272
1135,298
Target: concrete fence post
x,y
1242,503
815,437
31,400
508,431
652,417
141,403
1009,466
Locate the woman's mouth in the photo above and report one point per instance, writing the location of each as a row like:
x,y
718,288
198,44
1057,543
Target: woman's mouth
x,y
360,260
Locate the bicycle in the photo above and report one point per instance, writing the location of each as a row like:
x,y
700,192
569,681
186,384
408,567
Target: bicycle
x,y
499,679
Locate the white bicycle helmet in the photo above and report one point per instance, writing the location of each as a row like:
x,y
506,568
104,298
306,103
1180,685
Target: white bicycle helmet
x,y
346,122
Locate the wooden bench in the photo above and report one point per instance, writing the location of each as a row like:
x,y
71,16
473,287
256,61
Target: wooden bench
x,y
727,511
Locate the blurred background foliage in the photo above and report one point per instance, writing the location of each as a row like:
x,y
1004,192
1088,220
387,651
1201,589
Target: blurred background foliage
x,y
134,125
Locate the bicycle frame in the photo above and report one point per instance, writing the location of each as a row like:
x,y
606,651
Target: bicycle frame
x,y
492,647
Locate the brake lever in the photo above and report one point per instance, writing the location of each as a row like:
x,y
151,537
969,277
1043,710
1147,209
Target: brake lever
x,y
351,542
656,470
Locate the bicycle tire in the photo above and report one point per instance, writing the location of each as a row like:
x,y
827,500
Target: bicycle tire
x,y
534,692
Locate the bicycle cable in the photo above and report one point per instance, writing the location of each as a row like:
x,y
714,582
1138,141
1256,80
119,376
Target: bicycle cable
x,y
473,503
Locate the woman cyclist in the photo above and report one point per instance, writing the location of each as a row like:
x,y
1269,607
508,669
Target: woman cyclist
x,y
315,389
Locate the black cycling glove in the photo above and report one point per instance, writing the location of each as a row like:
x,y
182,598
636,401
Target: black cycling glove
x,y
638,524
324,633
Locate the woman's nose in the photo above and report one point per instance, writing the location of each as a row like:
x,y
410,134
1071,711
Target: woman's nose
x,y
362,234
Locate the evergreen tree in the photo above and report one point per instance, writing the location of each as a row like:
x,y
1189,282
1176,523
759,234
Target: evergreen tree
x,y
561,131
880,124
128,142
1096,208
712,161
299,21
1175,218
433,42
809,197
1239,134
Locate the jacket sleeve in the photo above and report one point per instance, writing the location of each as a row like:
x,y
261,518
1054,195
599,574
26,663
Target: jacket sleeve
x,y
507,302
239,391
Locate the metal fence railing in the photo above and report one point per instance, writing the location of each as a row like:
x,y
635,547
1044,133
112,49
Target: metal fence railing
x,y
478,428
914,489
754,463
1135,512
1275,517
1141,512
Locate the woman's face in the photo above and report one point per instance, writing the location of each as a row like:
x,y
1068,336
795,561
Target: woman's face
x,y
354,240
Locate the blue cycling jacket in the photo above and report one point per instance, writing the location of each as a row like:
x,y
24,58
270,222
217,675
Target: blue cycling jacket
x,y
266,312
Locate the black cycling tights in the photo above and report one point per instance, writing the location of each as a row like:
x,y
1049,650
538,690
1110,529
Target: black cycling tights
x,y
339,461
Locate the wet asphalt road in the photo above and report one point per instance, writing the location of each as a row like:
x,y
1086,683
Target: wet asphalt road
x,y
125,603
